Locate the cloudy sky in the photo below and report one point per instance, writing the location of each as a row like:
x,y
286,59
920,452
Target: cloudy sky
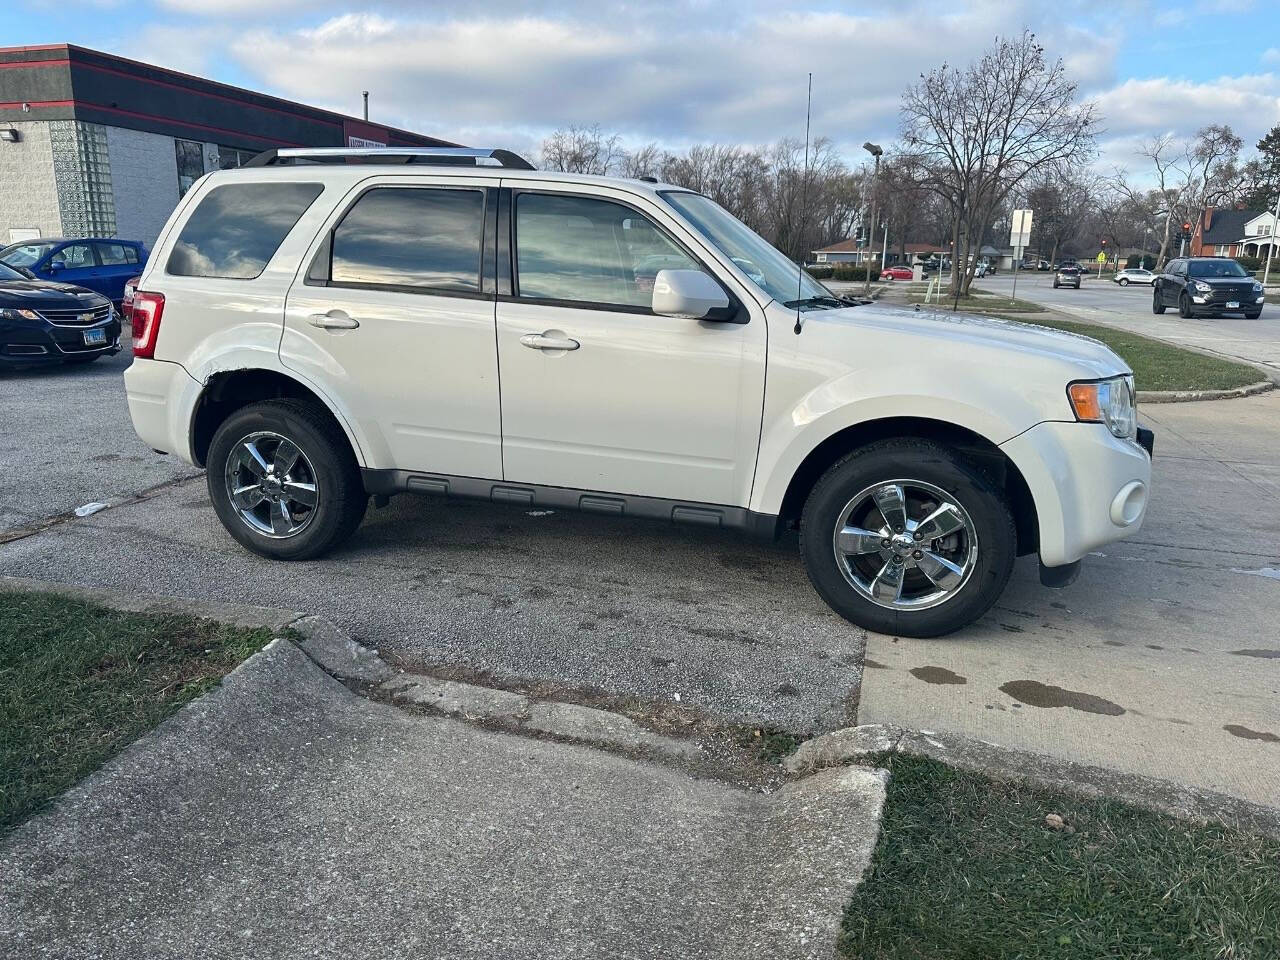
x,y
504,73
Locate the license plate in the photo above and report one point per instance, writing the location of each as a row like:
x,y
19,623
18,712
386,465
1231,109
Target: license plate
x,y
1233,304
94,337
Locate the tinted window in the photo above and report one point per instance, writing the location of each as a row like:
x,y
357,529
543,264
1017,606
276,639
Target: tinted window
x,y
237,229
594,251
75,257
1217,268
411,237
115,254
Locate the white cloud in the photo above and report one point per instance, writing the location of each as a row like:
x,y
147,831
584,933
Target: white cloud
x,y
1271,56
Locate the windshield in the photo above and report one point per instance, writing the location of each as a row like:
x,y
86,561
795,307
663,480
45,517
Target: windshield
x,y
765,266
1215,268
24,254
8,273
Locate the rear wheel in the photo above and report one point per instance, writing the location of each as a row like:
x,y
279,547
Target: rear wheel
x,y
1157,302
284,481
907,537
1184,306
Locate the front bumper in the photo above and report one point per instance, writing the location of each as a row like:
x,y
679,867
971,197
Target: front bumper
x,y
1090,488
1217,300
30,342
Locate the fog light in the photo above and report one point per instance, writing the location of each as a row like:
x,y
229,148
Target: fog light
x,y
1127,507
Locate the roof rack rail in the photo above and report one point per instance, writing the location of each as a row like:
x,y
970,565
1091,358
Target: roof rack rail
x,y
448,156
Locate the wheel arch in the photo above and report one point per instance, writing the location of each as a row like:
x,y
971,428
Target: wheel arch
x,y
975,447
227,391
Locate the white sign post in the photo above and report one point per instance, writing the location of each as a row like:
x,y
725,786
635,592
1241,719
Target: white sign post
x,y
1019,238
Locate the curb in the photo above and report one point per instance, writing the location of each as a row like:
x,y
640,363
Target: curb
x,y
869,741
1186,396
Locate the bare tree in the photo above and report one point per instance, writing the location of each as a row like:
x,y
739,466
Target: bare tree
x,y
581,150
983,130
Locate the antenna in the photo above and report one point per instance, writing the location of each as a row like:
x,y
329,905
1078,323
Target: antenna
x,y
804,200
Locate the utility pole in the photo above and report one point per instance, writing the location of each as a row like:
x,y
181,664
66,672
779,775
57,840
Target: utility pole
x,y
875,151
884,246
365,94
1266,274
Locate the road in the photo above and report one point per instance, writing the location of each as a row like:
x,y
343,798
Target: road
x,y
1102,301
1164,655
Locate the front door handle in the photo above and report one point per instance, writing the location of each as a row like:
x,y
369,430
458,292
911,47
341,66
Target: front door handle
x,y
333,320
549,341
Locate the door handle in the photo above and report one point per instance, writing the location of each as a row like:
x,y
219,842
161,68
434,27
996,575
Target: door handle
x,y
543,341
333,320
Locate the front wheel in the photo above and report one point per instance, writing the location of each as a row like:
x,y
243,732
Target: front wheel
x,y
1124,282
1184,306
283,480
1157,302
907,537
1253,316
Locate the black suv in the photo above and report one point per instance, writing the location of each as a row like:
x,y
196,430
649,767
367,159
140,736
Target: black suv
x,y
1207,287
46,322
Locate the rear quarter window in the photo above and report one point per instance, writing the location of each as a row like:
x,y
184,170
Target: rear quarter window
x,y
238,227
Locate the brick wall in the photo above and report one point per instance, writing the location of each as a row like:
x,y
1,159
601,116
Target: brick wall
x,y
144,181
28,195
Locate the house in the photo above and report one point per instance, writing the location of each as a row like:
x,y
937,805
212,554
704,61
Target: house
x,y
1226,232
850,251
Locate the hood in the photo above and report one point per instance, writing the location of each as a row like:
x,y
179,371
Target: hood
x,y
997,341
34,294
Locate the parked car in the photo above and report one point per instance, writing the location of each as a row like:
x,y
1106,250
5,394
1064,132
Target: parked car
x,y
101,265
1134,275
45,322
897,273
315,334
1207,287
1067,276
1042,265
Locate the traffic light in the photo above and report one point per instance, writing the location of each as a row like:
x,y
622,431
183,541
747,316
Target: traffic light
x,y
1104,242
1186,228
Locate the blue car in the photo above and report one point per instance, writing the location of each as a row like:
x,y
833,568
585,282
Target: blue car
x,y
100,265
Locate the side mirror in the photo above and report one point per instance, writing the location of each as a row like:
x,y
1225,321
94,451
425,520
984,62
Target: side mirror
x,y
55,266
689,293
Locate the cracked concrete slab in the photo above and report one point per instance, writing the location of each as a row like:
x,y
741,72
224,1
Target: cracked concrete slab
x,y
284,816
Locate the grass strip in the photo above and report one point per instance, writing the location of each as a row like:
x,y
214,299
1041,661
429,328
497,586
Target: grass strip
x,y
968,867
78,682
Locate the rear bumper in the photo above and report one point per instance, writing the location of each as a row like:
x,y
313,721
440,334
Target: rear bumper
x,y
1090,488
158,393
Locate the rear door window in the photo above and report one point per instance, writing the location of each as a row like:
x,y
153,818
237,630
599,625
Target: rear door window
x,y
116,254
237,229
418,239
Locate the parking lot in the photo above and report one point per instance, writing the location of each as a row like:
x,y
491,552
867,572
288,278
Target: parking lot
x,y
1163,659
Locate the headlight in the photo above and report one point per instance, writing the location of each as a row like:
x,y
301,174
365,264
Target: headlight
x,y
1106,401
1257,287
13,313
1202,287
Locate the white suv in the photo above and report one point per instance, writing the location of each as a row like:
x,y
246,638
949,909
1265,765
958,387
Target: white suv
x,y
321,326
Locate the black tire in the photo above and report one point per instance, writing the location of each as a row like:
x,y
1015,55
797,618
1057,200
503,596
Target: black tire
x,y
920,461
1055,284
80,361
1157,302
341,497
1184,306
1124,281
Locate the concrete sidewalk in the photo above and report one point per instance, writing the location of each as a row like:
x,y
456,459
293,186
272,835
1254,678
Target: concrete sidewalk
x,y
284,816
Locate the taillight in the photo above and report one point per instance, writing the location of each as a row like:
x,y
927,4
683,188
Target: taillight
x,y
144,315
126,302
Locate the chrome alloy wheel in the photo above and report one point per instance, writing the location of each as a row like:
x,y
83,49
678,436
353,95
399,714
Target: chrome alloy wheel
x,y
271,485
905,545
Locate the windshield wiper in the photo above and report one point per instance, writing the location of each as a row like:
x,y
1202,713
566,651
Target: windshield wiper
x,y
829,303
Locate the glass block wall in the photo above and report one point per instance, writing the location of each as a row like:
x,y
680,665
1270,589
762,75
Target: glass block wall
x,y
83,175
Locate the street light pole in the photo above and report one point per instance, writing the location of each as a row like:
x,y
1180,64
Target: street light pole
x,y
1266,274
884,246
875,151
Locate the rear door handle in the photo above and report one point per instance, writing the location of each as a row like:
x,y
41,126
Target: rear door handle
x,y
543,341
333,320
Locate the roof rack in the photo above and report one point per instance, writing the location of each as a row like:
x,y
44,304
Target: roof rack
x,y
448,156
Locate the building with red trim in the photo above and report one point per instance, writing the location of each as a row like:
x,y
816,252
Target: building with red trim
x,y
96,145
